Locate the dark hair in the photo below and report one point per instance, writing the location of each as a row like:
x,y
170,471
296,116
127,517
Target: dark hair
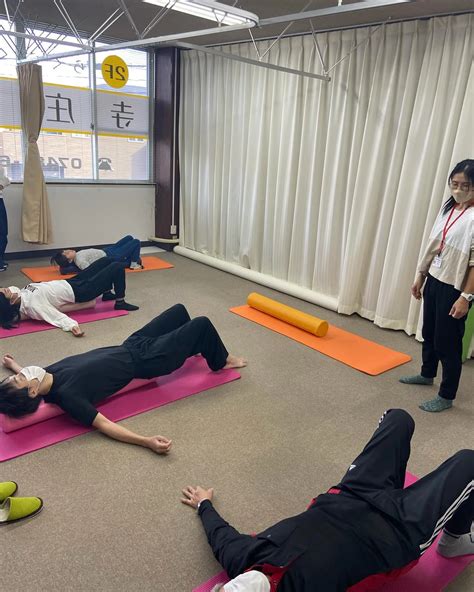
x,y
16,402
9,313
60,259
467,168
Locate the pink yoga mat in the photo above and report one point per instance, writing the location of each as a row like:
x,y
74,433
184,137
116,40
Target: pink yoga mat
x,y
102,310
194,377
431,574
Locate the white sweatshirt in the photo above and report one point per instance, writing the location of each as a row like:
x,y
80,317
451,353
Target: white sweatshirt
x,y
41,301
85,257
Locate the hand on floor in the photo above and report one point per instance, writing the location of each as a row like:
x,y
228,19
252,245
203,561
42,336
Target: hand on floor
x,y
159,444
77,331
193,496
8,361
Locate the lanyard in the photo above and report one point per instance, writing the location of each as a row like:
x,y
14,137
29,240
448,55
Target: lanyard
x,y
447,226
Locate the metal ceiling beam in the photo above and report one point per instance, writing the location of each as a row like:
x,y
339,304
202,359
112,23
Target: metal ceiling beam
x,y
275,41
153,41
7,12
109,21
142,43
40,38
124,7
11,44
160,15
237,58
175,37
65,14
56,56
343,9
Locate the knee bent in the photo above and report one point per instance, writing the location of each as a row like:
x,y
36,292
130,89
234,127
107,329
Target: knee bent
x,y
202,322
402,417
466,457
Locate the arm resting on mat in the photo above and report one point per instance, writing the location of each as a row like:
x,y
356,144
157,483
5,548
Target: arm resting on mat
x,y
158,444
42,310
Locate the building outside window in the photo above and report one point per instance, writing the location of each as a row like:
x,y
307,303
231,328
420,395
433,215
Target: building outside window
x,y
11,142
86,134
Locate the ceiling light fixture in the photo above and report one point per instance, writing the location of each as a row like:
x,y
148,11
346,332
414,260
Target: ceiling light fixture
x,y
210,10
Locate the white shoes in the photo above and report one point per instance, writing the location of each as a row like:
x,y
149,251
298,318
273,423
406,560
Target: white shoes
x,y
135,265
450,545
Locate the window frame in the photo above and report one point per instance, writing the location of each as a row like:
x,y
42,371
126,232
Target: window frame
x,y
96,180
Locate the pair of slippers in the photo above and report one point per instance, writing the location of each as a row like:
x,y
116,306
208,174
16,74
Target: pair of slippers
x,y
14,509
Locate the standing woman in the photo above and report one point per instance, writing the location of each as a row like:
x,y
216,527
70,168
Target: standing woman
x,y
4,182
447,265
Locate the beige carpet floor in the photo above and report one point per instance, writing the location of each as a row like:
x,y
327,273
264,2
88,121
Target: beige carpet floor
x,y
267,443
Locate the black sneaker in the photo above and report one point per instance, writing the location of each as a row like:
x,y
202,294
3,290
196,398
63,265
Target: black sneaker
x,y
125,306
3,267
106,296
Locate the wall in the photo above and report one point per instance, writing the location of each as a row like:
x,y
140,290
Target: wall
x,y
87,214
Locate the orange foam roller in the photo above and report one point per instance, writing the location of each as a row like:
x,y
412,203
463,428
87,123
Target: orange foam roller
x,y
289,315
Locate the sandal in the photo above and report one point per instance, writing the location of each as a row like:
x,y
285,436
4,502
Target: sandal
x,y
15,509
7,489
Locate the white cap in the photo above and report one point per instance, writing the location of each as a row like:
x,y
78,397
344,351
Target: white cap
x,y
251,581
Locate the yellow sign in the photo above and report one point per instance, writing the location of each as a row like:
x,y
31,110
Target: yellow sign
x,y
115,71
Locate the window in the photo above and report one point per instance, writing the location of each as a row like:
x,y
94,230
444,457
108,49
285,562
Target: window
x,y
11,149
66,140
85,135
123,118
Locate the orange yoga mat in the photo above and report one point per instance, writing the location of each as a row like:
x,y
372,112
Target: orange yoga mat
x,y
350,349
45,274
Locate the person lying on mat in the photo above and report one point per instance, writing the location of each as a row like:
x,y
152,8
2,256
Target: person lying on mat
x,y
126,251
78,383
366,525
44,300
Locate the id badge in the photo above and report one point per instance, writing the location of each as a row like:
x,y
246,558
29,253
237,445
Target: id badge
x,y
437,261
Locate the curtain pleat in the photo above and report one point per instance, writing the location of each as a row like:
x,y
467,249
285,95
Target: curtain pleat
x,y
331,186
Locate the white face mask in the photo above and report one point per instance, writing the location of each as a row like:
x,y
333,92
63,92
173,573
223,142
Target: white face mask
x,y
251,581
31,372
461,196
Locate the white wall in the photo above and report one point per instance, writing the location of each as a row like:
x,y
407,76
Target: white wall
x,y
87,214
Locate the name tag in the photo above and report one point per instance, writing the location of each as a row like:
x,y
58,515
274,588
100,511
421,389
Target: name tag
x,y
437,261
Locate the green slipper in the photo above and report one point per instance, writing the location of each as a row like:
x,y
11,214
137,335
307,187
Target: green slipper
x,y
14,509
7,489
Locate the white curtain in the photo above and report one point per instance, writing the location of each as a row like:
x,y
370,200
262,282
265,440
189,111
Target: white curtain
x,y
331,186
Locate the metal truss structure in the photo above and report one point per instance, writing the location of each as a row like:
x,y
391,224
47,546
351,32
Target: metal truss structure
x,y
30,47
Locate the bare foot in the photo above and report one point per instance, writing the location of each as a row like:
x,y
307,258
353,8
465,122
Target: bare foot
x,y
234,362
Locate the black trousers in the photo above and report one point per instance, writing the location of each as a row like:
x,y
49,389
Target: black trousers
x,y
443,498
165,343
101,276
442,335
3,231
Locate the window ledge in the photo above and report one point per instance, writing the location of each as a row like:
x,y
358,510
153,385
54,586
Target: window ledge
x,y
91,182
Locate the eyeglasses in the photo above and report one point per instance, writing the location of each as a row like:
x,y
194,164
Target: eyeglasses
x,y
463,186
